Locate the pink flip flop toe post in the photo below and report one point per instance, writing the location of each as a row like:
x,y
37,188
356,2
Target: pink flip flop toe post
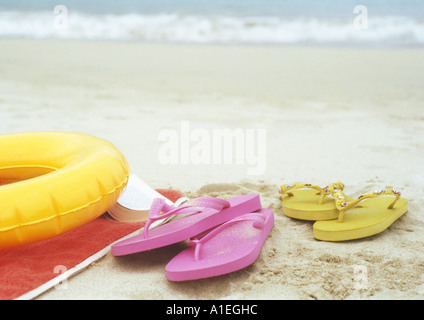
x,y
204,213
232,246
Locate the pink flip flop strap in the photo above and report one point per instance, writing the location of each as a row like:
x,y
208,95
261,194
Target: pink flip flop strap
x,y
258,222
191,206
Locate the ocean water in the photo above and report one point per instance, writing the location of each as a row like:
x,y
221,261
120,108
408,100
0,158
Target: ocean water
x,y
375,23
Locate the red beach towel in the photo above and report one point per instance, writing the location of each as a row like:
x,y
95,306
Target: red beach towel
x,y
28,271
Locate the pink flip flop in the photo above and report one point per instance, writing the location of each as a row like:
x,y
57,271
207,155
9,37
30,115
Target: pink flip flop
x,y
232,246
205,213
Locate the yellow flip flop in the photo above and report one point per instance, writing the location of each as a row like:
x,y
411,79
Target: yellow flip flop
x,y
310,202
357,219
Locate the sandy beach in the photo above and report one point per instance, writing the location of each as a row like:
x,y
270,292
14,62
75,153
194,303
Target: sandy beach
x,y
329,114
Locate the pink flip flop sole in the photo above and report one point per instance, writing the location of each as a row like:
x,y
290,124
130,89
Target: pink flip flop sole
x,y
230,247
187,227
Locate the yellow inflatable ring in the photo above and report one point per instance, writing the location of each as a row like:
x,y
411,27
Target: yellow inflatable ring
x,y
52,182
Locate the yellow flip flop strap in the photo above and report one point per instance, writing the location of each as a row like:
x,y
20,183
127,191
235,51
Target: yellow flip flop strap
x,y
343,205
327,190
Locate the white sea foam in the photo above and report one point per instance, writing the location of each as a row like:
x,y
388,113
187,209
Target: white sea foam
x,y
184,28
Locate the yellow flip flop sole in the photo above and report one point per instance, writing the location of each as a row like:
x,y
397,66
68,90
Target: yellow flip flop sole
x,y
359,220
